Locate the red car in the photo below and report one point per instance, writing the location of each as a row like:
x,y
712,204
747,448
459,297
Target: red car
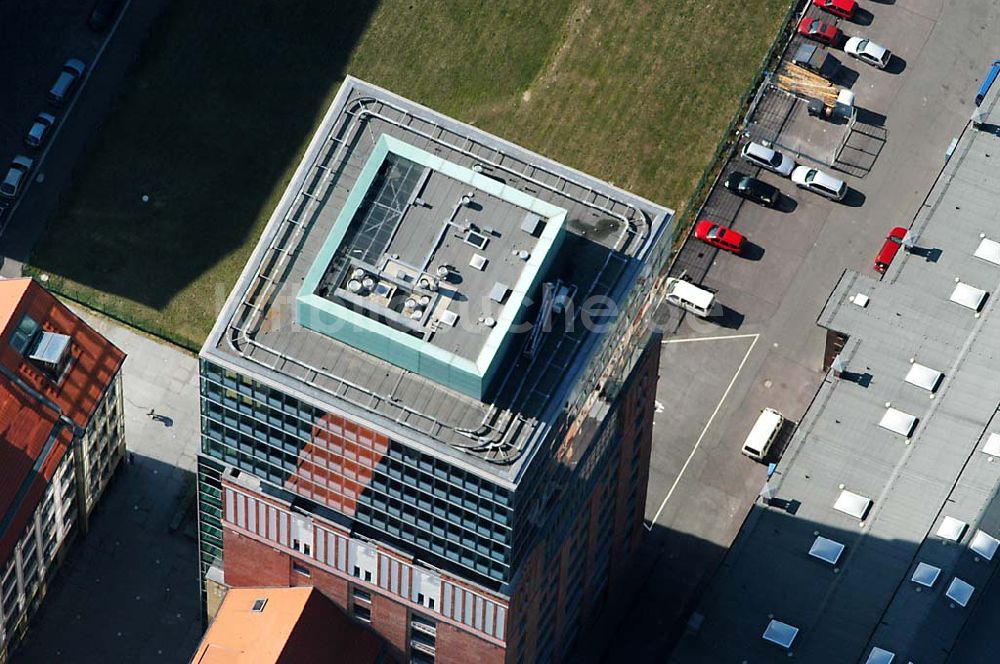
x,y
893,241
813,28
719,236
841,8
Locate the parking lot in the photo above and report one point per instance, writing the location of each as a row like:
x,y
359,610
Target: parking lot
x,y
766,349
38,39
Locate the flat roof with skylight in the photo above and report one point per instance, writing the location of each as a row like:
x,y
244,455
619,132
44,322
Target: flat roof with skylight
x,y
425,278
428,265
895,479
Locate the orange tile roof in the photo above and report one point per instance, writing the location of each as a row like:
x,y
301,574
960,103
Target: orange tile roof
x,y
26,421
295,625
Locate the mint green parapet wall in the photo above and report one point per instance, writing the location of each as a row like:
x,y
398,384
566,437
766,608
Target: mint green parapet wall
x,y
397,347
404,351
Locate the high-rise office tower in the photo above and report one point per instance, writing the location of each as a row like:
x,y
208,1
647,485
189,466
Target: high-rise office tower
x,y
429,395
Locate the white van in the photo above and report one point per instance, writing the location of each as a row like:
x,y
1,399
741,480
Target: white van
x,y
691,298
761,437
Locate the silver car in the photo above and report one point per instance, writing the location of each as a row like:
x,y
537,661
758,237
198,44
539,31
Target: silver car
x,y
819,182
767,158
868,51
16,175
39,130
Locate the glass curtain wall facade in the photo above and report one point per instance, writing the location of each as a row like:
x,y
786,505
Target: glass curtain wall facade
x,y
390,491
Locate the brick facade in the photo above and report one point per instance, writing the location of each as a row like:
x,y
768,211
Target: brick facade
x,y
552,599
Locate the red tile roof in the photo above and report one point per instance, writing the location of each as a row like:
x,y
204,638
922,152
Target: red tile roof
x,y
27,422
95,362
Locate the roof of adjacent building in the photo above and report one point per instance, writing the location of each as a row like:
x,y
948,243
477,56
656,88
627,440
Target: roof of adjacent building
x,y
473,391
292,625
38,408
909,448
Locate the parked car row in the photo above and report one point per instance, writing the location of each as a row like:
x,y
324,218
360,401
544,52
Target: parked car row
x,y
827,33
58,95
700,300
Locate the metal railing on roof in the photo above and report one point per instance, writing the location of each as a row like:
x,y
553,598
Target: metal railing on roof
x,y
497,437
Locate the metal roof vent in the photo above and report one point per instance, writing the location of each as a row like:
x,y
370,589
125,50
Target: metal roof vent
x,y
499,292
478,261
51,351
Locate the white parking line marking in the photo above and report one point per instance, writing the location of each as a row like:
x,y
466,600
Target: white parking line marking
x,y
718,407
722,338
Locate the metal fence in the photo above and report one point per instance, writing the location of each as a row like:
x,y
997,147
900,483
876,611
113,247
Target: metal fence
x,y
730,137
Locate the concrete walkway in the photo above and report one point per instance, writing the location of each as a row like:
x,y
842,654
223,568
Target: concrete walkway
x,y
128,591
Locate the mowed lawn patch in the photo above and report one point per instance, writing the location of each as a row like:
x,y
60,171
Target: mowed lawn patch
x,y
224,101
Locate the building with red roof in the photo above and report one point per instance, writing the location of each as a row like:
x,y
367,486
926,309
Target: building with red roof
x,y
61,438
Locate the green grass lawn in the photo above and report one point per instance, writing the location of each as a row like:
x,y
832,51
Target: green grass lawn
x,y
225,98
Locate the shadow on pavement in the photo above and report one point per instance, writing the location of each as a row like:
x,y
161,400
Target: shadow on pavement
x,y
854,198
870,117
846,77
128,588
730,318
752,252
786,204
896,65
862,17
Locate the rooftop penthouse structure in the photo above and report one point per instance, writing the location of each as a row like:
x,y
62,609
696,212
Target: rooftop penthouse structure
x,y
428,356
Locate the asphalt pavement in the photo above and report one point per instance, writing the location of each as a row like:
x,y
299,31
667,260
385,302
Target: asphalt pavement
x,y
37,37
128,591
768,351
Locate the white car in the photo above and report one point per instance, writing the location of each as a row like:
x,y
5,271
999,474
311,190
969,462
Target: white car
x,y
868,51
819,182
16,175
767,158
